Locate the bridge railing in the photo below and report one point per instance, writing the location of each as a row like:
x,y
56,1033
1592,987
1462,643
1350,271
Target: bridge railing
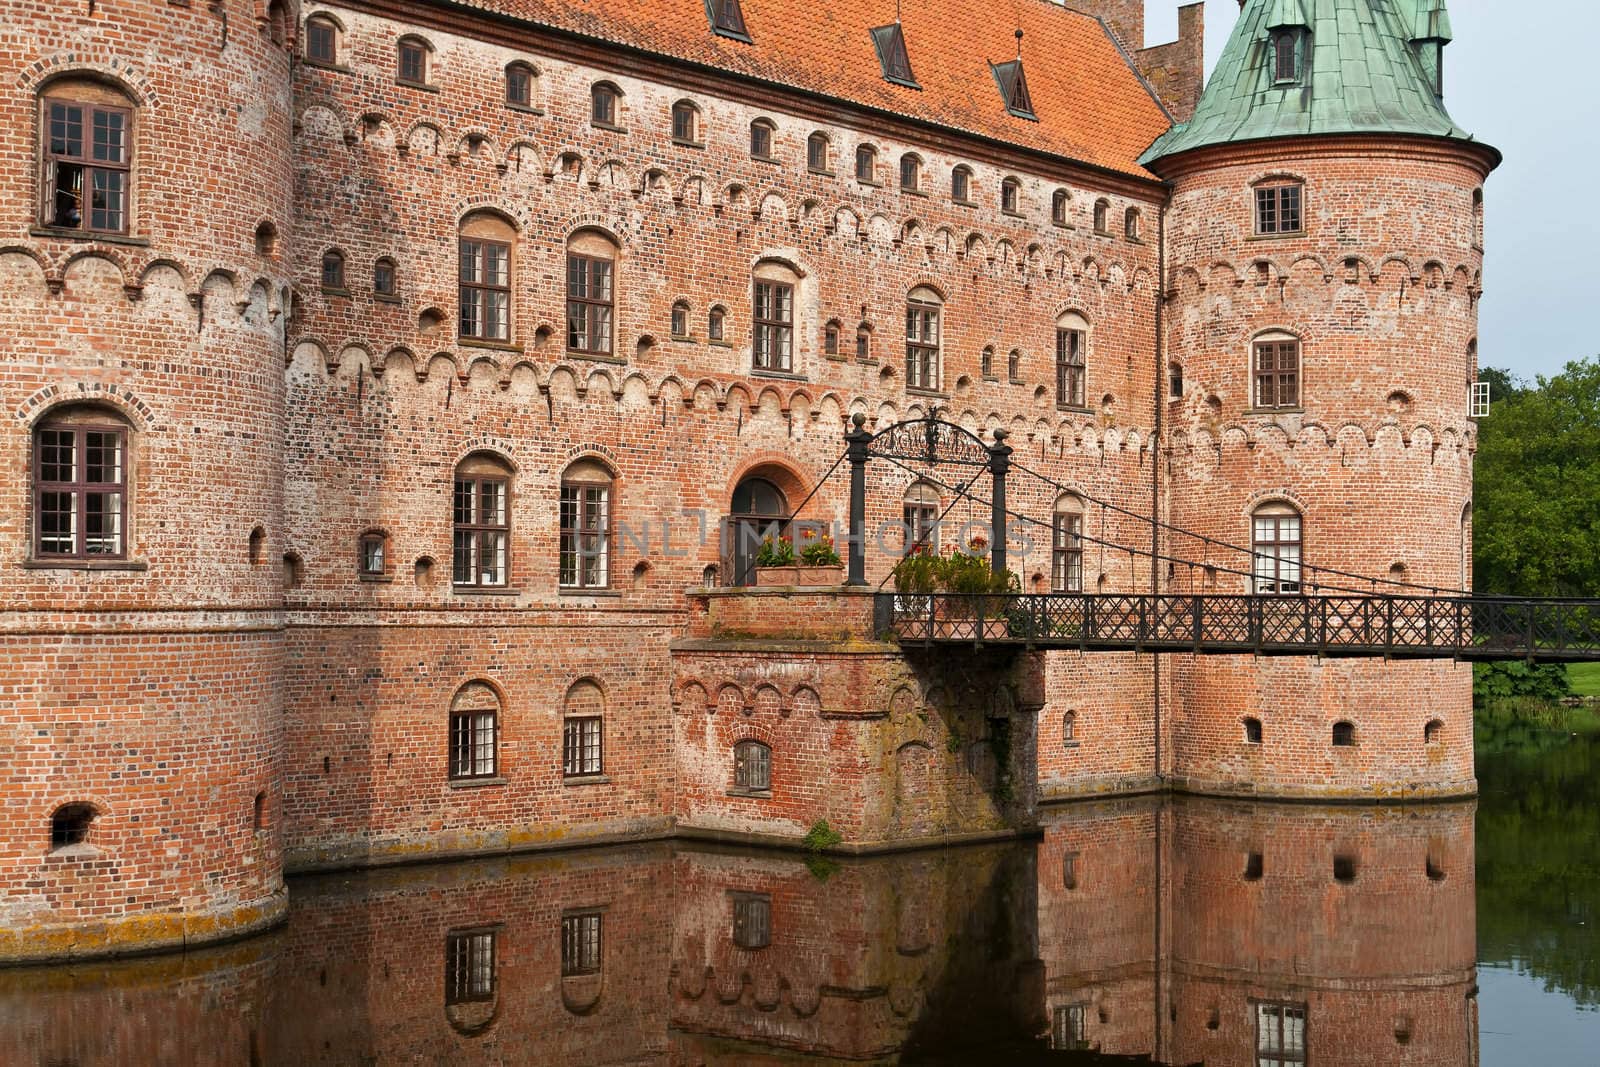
x,y
1479,628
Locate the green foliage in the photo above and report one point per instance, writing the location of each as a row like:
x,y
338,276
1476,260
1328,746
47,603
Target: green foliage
x,y
1496,682
775,552
967,573
818,550
821,837
1584,678
1536,512
821,867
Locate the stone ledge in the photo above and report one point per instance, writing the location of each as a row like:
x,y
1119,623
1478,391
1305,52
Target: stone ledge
x,y
141,934
739,643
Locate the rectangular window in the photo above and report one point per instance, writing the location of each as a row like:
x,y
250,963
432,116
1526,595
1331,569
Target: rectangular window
x,y
922,527
1478,400
922,346
580,944
683,125
1280,1035
87,166
1069,1028
772,347
1277,374
589,305
1069,369
519,87
585,536
482,531
413,63
485,290
469,967
1066,552
472,744
372,554
1278,208
817,154
321,41
80,496
580,747
761,140
910,172
1277,552
752,766
752,920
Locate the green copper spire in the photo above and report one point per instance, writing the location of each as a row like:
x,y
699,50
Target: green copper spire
x,y
1308,67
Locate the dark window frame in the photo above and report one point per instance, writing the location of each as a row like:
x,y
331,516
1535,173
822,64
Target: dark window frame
x,y
1102,217
866,164
463,966
89,169
480,532
752,920
752,766
1058,207
581,755
818,152
478,292
727,20
772,337
678,319
1072,367
961,185
364,558
467,745
605,106
598,313
922,354
686,124
763,140
1275,372
1066,549
80,488
411,51
385,276
523,75
581,540
864,343
717,323
1274,1052
312,52
910,173
582,943
1285,56
1277,203
1011,197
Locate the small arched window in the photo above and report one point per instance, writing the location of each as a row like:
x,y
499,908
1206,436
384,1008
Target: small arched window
x,y
1130,224
582,731
866,164
1174,380
1058,207
586,525
1254,867
923,307
986,363
830,339
1066,545
484,289
520,78
772,320
1432,732
605,105
412,56
752,767
1276,538
1275,359
716,323
686,124
1069,729
817,161
591,297
910,172
864,342
69,825
1252,731
80,500
1102,216
383,277
1072,371
961,185
920,512
1010,196
680,318
1286,56
474,732
372,554
88,156
333,271
482,521
1344,734
322,40
1014,366
763,134
1477,218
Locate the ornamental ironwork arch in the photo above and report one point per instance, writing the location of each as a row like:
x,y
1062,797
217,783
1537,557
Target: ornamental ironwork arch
x,y
929,440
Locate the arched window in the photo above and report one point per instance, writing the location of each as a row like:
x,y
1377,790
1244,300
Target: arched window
x,y
1102,216
1072,347
923,307
1058,207
830,339
322,40
482,554
686,124
1286,56
69,825
910,172
1010,196
759,509
278,22
1014,366
586,525
772,318
1477,218
817,153
866,164
680,318
469,979
986,363
1278,206
591,300
605,105
920,513
582,722
412,56
1069,729
1344,734
1275,361
484,286
864,342
474,732
383,277
88,156
80,498
1130,224
1252,731
1066,545
1276,539
762,135
1174,380
372,554
520,79
1254,867
1344,869
333,271
752,767
1432,732
716,323
961,185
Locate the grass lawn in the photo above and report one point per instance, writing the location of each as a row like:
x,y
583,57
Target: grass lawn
x,y
1584,678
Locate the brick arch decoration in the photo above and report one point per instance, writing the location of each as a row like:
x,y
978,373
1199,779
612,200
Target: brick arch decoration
x,y
503,449
805,702
692,697
768,702
35,76
730,700
123,399
516,214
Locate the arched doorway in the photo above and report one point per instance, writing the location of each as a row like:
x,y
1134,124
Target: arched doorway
x,y
759,509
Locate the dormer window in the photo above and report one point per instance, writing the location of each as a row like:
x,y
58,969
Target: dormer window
x,y
727,20
1014,89
1286,55
890,41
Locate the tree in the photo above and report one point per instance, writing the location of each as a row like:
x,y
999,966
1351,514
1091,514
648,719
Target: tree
x,y
1536,509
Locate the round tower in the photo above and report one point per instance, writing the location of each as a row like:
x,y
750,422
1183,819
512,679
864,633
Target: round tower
x,y
1323,267
144,147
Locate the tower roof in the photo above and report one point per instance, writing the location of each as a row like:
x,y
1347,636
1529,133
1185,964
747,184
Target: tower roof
x,y
1360,73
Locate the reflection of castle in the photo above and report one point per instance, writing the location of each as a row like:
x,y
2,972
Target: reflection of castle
x,y
1294,935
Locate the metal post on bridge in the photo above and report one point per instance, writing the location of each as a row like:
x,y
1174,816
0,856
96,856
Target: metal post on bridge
x,y
858,438
999,464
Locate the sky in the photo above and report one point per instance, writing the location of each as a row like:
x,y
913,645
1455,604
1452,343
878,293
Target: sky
x,y
1509,83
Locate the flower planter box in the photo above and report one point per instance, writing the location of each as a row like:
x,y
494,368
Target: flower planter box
x,y
800,574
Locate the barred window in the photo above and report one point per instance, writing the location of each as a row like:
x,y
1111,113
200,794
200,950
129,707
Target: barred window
x,y
1278,208
581,946
80,487
1280,1034
88,157
922,339
474,732
1277,372
482,522
591,299
1066,545
1276,536
752,766
485,278
1072,333
469,966
1069,1028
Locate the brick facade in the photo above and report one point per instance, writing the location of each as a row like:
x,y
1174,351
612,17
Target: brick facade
x,y
278,414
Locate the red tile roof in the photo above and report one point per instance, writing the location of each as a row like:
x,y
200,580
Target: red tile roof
x,y
1091,106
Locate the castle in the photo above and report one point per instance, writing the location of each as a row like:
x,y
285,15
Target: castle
x,y
385,379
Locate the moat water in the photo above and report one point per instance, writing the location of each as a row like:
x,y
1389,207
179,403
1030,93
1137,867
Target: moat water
x,y
1181,931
